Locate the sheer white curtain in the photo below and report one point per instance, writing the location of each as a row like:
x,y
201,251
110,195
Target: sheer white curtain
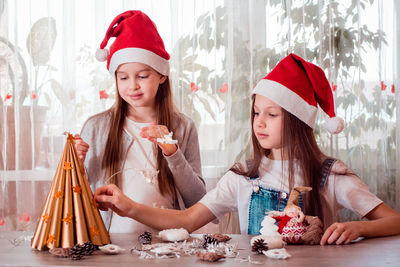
x,y
51,83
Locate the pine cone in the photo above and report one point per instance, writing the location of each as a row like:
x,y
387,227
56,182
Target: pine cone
x,y
209,240
145,238
77,252
60,252
259,246
88,248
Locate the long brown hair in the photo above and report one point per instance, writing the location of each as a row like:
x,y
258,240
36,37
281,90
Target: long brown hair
x,y
166,113
301,148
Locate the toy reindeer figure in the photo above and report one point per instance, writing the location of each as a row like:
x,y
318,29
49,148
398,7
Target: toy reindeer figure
x,y
292,222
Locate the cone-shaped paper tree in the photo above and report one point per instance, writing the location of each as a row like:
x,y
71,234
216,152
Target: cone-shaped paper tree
x,y
70,214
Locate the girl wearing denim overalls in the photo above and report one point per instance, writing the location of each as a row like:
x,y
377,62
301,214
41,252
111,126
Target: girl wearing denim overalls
x,y
285,155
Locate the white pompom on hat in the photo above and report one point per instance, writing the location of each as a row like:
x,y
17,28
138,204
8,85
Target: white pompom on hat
x,y
299,87
136,40
102,54
334,125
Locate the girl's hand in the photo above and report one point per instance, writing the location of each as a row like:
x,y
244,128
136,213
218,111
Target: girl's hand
x,y
341,233
275,213
81,147
111,197
153,132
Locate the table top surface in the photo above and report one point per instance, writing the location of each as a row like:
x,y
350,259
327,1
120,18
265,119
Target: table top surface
x,y
366,252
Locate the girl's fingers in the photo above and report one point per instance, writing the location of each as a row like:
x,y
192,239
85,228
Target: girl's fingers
x,y
153,132
104,199
328,233
82,146
105,190
325,236
334,236
104,206
351,238
342,238
348,240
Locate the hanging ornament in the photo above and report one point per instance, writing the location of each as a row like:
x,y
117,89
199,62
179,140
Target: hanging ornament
x,y
24,217
193,87
224,88
8,96
103,94
383,86
334,87
149,175
393,89
167,139
2,222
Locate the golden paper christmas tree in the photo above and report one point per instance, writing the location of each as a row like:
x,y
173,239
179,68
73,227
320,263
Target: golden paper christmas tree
x,y
70,214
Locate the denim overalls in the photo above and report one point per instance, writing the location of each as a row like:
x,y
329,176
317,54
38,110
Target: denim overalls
x,y
263,199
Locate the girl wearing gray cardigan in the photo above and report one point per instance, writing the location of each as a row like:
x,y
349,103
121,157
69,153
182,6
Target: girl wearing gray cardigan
x,y
142,143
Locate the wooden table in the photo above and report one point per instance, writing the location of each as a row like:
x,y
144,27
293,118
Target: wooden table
x,y
368,252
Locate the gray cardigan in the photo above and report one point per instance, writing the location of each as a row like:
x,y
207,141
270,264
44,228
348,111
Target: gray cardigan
x,y
185,164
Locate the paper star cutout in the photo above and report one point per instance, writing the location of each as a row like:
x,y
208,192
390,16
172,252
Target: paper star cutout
x,y
68,219
51,239
58,194
94,230
76,189
67,166
45,218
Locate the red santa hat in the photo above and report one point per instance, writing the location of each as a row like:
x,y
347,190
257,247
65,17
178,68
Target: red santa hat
x,y
137,40
298,86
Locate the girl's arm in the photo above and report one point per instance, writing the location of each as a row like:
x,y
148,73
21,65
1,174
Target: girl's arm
x,y
183,161
110,196
383,221
185,166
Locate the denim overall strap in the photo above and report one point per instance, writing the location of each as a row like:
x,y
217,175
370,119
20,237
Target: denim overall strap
x,y
326,169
